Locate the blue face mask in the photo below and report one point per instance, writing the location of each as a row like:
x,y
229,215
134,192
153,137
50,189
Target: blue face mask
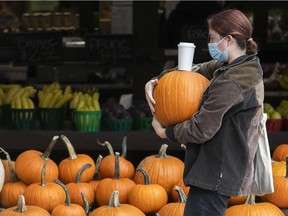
x,y
216,53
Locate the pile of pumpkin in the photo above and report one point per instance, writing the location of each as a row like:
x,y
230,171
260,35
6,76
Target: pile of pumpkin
x,y
80,185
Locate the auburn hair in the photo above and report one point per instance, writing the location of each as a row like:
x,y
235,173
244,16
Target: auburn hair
x,y
233,22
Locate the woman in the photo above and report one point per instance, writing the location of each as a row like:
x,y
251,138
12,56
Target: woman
x,y
221,137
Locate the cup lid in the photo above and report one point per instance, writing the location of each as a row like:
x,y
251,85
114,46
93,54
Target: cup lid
x,y
186,44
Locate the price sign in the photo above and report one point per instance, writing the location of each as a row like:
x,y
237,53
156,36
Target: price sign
x,y
109,49
37,48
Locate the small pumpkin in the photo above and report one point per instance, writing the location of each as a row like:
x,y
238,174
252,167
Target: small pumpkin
x,y
280,153
278,168
237,200
107,166
107,185
12,189
175,208
147,197
69,167
254,209
116,209
67,208
77,187
279,196
163,169
46,195
175,193
177,95
29,164
25,210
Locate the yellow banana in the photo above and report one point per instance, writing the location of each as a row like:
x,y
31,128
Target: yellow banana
x,y
2,95
47,100
96,105
30,103
63,100
56,97
11,94
96,96
24,103
74,101
18,104
80,105
68,89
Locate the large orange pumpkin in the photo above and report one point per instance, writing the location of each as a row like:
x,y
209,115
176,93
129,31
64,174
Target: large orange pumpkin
x,y
177,96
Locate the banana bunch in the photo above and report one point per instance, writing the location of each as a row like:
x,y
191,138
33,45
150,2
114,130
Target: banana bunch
x,y
15,91
52,96
283,81
85,102
87,89
22,102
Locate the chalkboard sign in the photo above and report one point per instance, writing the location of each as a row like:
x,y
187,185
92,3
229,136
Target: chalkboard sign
x,y
109,49
37,48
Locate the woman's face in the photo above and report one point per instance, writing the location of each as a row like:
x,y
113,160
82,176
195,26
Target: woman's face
x,y
214,37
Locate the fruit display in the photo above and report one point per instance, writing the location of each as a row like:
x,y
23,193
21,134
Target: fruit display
x,y
112,109
85,102
52,96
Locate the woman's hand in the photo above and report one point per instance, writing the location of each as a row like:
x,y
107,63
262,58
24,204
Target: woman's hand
x,y
149,87
159,129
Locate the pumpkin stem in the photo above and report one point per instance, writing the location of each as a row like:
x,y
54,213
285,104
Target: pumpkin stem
x,y
10,166
70,148
117,167
68,199
124,147
106,143
98,161
162,151
286,176
43,173
79,174
145,175
21,208
86,204
114,199
181,194
47,152
250,199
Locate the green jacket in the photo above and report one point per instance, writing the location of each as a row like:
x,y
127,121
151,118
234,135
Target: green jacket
x,y
222,136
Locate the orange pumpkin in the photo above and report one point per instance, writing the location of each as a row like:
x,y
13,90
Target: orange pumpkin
x,y
175,208
29,164
177,96
25,210
254,209
46,195
147,197
107,166
77,187
280,153
279,196
237,200
160,168
278,168
12,189
67,208
69,167
115,209
107,185
175,193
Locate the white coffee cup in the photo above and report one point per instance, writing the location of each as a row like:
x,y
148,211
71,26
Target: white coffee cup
x,y
185,56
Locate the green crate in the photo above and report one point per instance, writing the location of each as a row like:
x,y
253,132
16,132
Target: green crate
x,y
143,124
51,118
87,121
23,119
118,124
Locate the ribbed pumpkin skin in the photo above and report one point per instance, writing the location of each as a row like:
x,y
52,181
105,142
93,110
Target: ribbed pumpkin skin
x,y
177,96
280,153
31,211
10,193
122,210
72,210
279,196
279,168
258,209
172,209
